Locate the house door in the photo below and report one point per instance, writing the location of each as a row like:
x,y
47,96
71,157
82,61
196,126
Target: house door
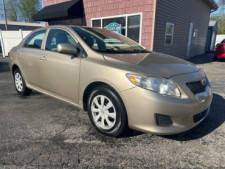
x,y
189,40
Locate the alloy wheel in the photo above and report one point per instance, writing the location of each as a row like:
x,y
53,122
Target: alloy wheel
x,y
18,82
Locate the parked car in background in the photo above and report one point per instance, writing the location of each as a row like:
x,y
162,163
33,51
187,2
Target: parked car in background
x,y
220,51
119,82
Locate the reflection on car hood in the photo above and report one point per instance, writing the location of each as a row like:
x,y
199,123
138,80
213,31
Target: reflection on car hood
x,y
152,64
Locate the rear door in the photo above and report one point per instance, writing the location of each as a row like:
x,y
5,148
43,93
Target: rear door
x,y
60,72
29,58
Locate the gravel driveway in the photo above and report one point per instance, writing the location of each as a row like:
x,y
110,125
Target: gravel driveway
x,y
42,132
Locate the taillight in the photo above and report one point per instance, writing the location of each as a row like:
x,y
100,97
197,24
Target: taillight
x,y
9,54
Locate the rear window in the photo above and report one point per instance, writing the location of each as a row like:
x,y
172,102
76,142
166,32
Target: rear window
x,y
35,40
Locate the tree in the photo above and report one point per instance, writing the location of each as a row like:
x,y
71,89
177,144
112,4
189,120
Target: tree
x,y
220,17
221,4
28,8
11,10
220,22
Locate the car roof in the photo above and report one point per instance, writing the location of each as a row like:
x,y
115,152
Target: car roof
x,y
61,26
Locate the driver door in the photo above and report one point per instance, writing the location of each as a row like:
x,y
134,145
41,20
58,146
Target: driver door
x,y
60,72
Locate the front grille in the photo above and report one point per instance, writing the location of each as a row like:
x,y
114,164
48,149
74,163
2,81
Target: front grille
x,y
163,120
196,87
200,116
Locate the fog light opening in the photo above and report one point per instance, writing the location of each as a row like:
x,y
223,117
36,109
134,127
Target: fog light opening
x,y
163,120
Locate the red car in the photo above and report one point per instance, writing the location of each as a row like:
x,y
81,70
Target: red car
x,y
220,51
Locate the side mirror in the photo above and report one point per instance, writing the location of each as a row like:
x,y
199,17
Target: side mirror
x,y
67,48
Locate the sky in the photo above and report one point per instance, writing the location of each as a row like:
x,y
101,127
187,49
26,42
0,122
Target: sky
x,y
217,10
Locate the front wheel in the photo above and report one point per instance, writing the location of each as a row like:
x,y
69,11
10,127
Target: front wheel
x,y
107,112
20,85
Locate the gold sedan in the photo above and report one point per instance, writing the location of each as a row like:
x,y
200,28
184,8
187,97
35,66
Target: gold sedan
x,y
118,82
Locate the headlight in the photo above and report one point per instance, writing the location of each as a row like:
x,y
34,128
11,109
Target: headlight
x,y
159,85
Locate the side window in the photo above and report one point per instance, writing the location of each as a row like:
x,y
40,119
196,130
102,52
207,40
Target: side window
x,y
35,40
169,33
57,36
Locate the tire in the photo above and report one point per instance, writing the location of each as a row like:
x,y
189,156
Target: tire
x,y
20,84
107,111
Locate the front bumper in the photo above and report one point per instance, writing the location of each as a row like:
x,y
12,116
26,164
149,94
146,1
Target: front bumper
x,y
143,105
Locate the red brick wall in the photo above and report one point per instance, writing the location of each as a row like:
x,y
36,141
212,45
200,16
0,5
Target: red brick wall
x,y
103,8
51,2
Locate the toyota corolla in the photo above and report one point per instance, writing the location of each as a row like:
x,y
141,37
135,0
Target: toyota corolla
x,y
117,81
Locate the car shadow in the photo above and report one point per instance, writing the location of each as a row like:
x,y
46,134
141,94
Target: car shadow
x,y
131,133
4,66
214,120
35,93
220,60
202,59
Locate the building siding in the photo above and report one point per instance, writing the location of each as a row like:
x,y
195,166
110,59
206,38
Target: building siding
x,y
104,8
52,2
181,13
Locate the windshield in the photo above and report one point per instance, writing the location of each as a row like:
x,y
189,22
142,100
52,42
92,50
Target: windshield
x,y
105,41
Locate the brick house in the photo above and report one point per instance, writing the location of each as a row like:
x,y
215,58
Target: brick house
x,y
175,27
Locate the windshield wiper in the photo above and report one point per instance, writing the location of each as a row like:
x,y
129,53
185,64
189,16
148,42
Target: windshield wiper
x,y
111,51
124,51
140,51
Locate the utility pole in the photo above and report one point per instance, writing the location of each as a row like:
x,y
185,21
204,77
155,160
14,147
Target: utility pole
x,y
6,24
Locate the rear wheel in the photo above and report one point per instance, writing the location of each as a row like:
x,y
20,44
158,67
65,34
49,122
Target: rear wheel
x,y
20,85
107,112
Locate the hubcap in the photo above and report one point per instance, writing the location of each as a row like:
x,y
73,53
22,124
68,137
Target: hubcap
x,y
18,82
103,112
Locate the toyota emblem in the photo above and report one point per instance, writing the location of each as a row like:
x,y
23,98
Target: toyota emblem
x,y
203,82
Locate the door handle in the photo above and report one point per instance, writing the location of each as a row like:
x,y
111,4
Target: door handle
x,y
43,58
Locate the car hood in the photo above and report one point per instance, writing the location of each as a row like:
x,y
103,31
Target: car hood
x,y
152,64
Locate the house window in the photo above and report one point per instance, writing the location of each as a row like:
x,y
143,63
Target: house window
x,y
119,20
195,35
127,25
96,23
133,28
169,33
